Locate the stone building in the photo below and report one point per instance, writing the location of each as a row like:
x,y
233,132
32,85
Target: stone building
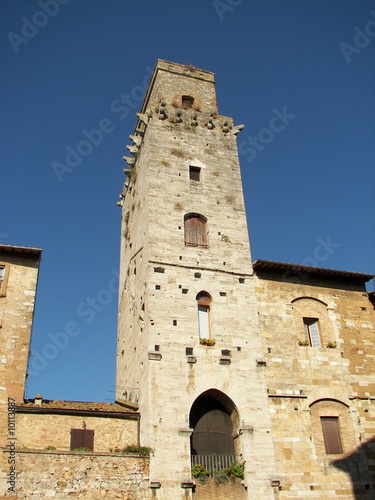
x,y
271,363
219,359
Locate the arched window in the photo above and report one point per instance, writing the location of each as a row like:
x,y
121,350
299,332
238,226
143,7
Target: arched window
x,y
195,230
204,307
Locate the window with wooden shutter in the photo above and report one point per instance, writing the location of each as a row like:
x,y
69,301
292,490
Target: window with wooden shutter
x,y
195,231
82,438
331,434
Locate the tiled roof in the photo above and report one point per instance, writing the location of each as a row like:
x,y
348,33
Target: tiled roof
x,y
76,406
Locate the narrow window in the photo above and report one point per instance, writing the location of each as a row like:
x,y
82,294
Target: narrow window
x,y
81,438
331,434
195,230
2,274
204,306
194,173
187,101
312,332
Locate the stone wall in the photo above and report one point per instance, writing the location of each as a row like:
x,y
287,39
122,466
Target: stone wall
x,y
91,476
306,383
213,490
38,431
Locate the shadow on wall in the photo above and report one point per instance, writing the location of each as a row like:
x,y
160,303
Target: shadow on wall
x,y
360,466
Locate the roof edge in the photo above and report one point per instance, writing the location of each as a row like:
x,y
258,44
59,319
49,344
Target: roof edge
x,y
279,267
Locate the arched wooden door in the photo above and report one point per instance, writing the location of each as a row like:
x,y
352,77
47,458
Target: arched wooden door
x,y
213,434
212,443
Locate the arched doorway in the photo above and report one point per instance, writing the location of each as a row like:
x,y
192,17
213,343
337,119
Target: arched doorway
x,y
213,417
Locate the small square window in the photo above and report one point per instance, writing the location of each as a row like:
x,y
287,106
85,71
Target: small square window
x,y
194,173
187,101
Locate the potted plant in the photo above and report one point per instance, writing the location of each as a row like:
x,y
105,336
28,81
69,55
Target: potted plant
x,y
303,342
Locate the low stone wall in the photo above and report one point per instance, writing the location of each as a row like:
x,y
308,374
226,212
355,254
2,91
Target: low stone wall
x,y
212,490
91,476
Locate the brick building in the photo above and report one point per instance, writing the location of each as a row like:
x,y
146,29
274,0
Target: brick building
x,y
219,359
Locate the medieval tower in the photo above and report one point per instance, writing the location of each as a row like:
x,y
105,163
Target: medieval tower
x,y
189,348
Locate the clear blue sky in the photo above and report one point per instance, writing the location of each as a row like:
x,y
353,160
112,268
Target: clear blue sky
x,y
63,71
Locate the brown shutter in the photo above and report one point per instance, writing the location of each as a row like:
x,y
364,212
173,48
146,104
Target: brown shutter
x,y
195,232
81,438
331,434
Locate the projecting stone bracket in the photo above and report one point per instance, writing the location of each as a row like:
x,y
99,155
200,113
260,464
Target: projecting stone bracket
x,y
225,360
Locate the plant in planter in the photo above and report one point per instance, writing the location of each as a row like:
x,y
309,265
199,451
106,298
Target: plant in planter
x,y
331,345
303,342
209,342
235,470
199,472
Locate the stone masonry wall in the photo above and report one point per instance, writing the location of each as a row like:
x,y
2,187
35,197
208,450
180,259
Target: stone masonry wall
x,y
306,383
90,476
37,431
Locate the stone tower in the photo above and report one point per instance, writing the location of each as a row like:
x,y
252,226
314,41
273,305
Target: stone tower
x,y
189,348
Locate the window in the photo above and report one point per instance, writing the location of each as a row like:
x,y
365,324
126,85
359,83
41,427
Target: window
x,y
187,101
331,434
2,274
194,173
204,305
3,279
195,230
81,438
312,332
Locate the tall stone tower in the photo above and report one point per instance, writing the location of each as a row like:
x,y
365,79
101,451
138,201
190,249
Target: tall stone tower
x,y
189,349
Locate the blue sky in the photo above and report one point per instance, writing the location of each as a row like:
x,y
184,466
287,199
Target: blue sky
x,y
309,185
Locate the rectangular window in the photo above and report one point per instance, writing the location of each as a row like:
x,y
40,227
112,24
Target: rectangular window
x,y
81,438
312,332
204,321
331,434
195,173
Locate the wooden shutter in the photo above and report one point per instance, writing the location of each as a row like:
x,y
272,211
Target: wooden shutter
x,y
195,232
81,438
213,434
331,434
